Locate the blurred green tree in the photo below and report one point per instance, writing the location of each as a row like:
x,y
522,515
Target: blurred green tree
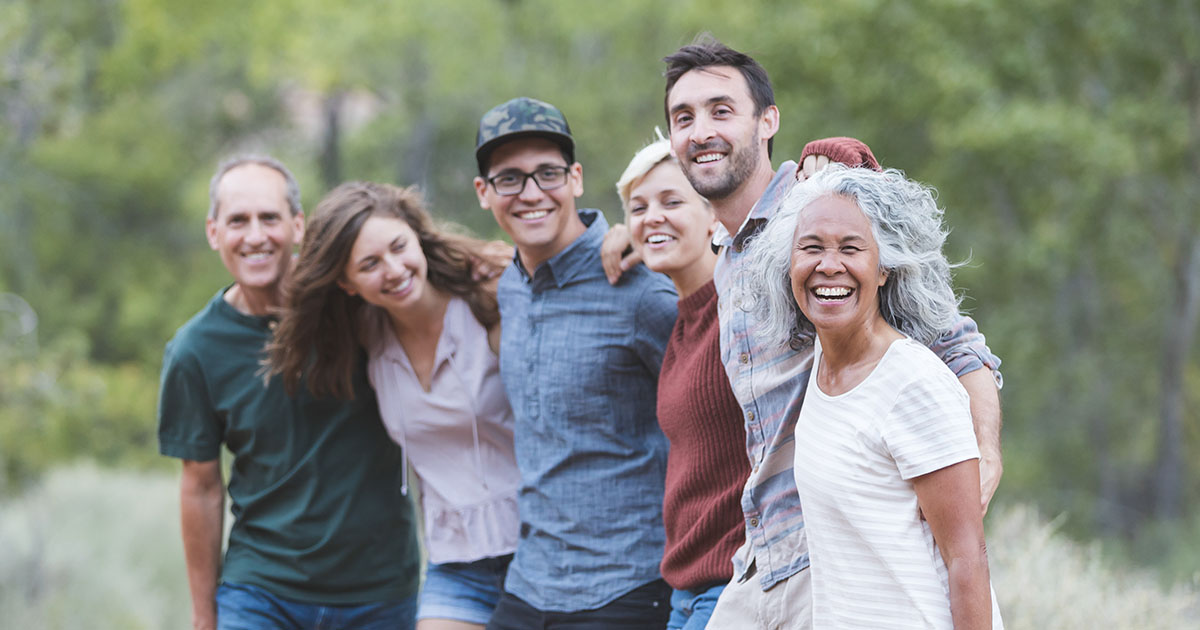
x,y
1064,138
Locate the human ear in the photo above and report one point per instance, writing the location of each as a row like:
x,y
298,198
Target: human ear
x,y
577,174
481,192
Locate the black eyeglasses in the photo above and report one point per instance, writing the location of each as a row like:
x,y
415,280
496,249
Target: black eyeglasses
x,y
513,182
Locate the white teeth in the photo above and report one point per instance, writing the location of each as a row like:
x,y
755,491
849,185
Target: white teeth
x,y
257,256
709,157
832,292
404,284
533,214
655,239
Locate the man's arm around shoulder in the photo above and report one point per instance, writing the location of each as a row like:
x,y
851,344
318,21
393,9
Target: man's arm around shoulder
x,y
964,350
202,514
985,415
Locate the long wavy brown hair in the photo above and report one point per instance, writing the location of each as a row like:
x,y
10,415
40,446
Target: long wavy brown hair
x,y
321,331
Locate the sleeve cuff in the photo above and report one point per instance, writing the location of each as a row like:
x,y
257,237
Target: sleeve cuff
x,y
848,151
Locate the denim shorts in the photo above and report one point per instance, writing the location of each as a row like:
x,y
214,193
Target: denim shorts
x,y
248,607
463,591
690,610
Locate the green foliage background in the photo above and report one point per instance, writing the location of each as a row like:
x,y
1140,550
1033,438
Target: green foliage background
x,y
1064,138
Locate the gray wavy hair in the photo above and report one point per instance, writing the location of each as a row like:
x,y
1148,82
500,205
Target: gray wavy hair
x,y
917,299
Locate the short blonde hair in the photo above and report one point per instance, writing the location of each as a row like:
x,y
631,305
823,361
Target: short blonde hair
x,y
642,163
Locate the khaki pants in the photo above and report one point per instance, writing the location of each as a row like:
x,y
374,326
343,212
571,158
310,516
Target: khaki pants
x,y
745,606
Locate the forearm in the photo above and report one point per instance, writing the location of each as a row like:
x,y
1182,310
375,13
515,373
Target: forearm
x,y
970,591
986,418
947,497
202,511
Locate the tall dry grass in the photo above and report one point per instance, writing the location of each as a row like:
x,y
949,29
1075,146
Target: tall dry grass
x,y
98,549
93,549
1044,580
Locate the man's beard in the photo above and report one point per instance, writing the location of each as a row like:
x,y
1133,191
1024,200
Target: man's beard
x,y
741,165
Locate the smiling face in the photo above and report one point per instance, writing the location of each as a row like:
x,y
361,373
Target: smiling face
x,y
253,229
540,222
670,222
719,139
386,266
835,272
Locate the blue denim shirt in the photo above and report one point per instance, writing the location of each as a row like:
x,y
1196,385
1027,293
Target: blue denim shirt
x,y
580,361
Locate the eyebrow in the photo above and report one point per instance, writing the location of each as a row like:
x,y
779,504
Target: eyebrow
x,y
845,239
723,98
513,169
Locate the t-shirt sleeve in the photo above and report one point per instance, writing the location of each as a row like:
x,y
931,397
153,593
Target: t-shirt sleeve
x,y
964,349
929,427
656,312
188,424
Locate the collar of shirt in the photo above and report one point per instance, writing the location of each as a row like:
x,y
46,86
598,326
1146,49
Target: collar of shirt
x,y
573,260
780,184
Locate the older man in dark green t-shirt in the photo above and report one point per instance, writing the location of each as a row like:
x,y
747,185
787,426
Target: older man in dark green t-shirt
x,y
321,531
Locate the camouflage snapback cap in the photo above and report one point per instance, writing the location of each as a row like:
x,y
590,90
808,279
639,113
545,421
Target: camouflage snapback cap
x,y
521,116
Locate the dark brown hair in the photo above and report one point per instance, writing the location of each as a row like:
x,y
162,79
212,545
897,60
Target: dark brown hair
x,y
322,328
707,51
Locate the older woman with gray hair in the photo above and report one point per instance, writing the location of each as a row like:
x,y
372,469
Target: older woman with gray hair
x,y
885,437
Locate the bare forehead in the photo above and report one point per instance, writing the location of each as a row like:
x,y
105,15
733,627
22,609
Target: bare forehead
x,y
833,214
253,186
701,85
378,231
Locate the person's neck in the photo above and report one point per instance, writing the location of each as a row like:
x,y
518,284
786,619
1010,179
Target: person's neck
x,y
532,257
423,318
689,278
851,350
258,302
733,210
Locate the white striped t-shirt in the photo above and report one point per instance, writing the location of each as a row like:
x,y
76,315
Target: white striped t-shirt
x,y
874,561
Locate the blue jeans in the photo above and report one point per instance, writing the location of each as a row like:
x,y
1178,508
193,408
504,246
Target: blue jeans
x,y
246,607
463,591
690,610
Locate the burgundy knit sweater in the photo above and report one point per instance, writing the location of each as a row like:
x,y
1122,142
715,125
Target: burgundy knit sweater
x,y
707,466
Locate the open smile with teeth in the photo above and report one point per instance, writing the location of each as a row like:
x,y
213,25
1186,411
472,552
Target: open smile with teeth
x,y
832,293
530,215
258,256
401,287
709,157
658,239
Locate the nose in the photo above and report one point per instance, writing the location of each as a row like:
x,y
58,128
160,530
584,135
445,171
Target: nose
x,y
256,232
393,265
530,192
702,130
653,215
829,263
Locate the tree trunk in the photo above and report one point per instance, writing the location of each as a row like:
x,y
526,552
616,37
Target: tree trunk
x,y
330,160
1179,334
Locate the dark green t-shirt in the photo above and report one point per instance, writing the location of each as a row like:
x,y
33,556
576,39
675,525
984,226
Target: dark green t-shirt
x,y
315,483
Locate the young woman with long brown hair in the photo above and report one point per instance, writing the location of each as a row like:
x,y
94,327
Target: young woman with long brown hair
x,y
375,274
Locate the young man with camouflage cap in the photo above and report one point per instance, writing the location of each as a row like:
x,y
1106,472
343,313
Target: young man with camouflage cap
x,y
580,360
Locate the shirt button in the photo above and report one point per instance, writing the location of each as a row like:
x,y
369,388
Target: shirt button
x,y
753,522
744,358
750,416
